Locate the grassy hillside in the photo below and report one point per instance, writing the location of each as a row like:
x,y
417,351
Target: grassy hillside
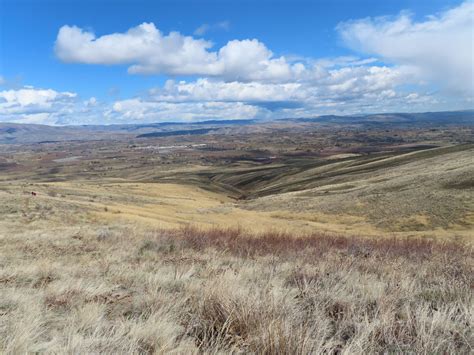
x,y
425,192
90,289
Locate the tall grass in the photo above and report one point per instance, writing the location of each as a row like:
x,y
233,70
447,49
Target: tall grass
x,y
221,291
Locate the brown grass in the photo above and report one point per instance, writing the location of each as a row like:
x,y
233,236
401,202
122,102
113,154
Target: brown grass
x,y
121,290
241,243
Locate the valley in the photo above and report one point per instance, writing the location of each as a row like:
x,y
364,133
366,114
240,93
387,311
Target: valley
x,y
300,177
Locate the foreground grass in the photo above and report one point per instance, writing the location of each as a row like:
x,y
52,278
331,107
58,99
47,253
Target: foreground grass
x,y
85,290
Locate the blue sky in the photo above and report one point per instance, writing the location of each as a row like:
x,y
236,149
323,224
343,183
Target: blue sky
x,y
75,62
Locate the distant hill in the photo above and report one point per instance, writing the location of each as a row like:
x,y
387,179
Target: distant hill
x,y
410,119
14,133
184,132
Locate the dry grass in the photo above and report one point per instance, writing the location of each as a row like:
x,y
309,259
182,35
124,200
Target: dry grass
x,y
427,192
155,205
122,290
424,192
163,205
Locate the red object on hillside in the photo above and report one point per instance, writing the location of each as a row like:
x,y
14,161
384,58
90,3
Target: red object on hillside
x,y
33,193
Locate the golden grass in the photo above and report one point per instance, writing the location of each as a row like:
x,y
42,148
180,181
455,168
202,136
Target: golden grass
x,y
157,205
163,205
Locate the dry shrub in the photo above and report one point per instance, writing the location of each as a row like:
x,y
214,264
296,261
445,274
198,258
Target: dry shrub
x,y
243,244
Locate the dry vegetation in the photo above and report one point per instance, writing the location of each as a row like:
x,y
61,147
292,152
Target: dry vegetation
x,y
424,192
124,290
240,242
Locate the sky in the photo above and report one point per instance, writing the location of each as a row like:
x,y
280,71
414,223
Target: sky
x,y
106,62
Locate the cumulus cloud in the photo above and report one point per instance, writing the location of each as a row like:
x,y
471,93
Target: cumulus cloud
x,y
346,83
148,51
204,89
29,98
152,111
144,46
33,105
439,49
338,90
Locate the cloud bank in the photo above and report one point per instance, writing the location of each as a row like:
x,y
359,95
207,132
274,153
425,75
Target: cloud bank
x,y
439,49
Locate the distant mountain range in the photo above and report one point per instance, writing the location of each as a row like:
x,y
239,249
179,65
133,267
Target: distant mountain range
x,y
436,118
14,133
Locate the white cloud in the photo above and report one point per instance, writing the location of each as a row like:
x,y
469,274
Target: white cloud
x,y
148,51
144,46
29,98
439,49
205,27
207,90
152,111
32,105
340,90
343,90
348,83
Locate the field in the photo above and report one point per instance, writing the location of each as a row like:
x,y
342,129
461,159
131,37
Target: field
x,y
286,238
